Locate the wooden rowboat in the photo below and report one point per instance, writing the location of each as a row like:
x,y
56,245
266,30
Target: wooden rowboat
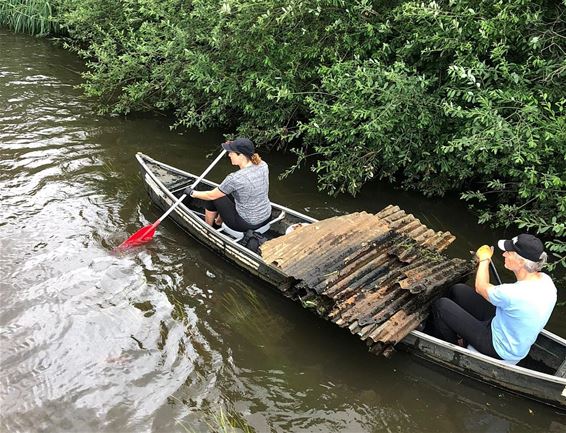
x,y
541,376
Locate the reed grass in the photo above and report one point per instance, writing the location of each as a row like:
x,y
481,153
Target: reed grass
x,y
34,17
221,422
224,422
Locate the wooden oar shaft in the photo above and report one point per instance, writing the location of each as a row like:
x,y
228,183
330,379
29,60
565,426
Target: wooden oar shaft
x,y
195,183
171,209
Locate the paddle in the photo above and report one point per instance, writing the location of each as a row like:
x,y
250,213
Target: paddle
x,y
146,233
494,270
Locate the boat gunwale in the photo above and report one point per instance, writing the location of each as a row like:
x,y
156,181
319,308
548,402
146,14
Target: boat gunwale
x,y
489,360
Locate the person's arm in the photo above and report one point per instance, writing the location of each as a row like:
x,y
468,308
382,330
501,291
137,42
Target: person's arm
x,y
482,279
208,195
482,285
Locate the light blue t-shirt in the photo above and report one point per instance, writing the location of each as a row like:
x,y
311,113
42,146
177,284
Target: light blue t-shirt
x,y
522,310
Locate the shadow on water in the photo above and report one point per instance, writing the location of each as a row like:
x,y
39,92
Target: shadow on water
x,y
163,337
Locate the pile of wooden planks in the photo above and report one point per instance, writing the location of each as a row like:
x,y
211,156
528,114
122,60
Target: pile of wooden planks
x,y
373,274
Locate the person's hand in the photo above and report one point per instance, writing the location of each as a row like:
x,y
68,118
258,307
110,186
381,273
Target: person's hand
x,y
484,253
188,191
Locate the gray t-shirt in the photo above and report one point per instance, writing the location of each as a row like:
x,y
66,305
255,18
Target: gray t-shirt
x,y
250,186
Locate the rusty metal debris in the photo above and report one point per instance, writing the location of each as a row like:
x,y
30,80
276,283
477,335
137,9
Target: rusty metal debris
x,y
373,274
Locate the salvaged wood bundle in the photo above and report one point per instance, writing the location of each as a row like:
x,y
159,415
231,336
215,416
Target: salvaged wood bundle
x,y
373,274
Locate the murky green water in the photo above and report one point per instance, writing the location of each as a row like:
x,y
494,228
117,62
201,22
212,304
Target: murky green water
x,y
163,339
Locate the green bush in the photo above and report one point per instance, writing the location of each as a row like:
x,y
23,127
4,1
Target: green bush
x,y
458,95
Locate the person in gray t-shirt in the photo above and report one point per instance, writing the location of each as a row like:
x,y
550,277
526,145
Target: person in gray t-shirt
x,y
241,201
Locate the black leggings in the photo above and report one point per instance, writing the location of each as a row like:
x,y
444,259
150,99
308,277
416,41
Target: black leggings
x,y
464,313
226,207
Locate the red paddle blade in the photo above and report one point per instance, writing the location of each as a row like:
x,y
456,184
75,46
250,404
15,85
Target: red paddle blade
x,y
142,236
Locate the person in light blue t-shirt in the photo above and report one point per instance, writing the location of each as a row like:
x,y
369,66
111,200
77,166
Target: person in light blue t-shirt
x,y
501,321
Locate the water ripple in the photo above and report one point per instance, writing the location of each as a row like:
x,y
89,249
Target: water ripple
x,y
99,337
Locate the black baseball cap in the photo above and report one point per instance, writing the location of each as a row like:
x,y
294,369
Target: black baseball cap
x,y
527,246
241,145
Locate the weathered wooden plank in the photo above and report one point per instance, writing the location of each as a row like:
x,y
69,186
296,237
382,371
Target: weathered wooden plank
x,y
373,274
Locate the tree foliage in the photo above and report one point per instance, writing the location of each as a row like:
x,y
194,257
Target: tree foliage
x,y
453,95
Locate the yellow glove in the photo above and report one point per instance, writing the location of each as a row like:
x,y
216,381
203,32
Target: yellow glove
x,y
484,253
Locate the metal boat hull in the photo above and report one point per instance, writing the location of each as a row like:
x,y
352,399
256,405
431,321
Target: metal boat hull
x,y
549,350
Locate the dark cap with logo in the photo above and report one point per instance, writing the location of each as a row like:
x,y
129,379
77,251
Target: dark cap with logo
x,y
527,246
240,145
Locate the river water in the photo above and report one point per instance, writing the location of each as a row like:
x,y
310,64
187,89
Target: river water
x,y
169,337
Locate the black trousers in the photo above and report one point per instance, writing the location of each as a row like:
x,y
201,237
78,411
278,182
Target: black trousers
x,y
464,313
226,207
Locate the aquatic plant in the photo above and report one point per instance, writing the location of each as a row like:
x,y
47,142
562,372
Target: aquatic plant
x,y
34,17
222,422
225,422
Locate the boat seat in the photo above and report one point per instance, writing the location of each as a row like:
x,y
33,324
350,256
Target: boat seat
x,y
237,235
506,361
